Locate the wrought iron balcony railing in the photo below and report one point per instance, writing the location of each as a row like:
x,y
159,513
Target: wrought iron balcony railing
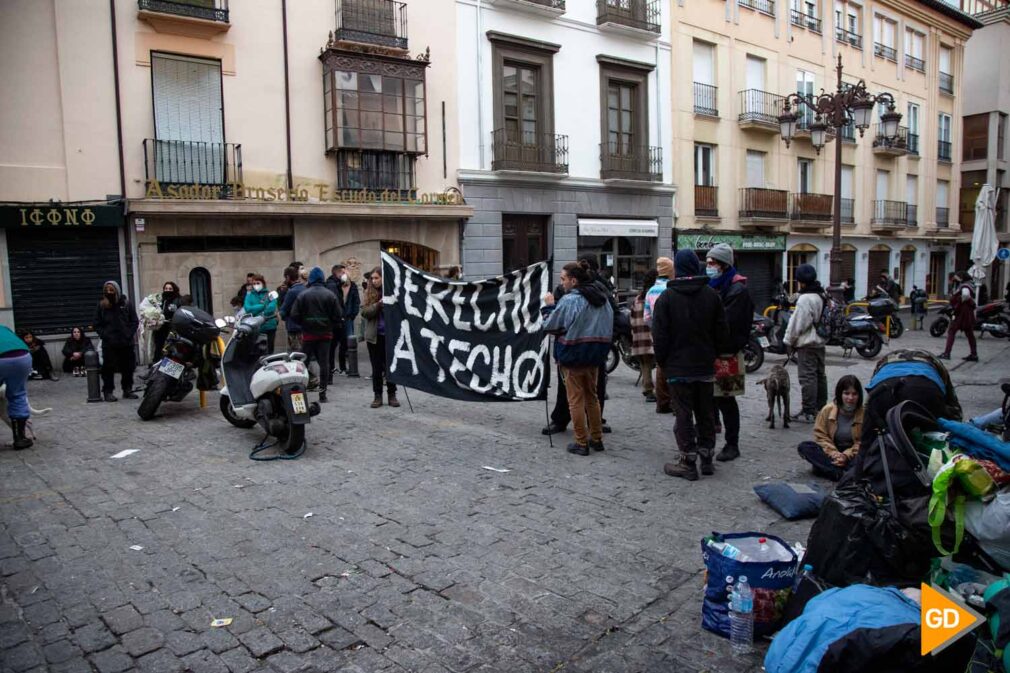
x,y
760,106
706,200
946,83
378,22
706,99
943,150
211,10
810,207
798,18
638,14
884,51
631,163
849,133
536,152
912,216
765,6
913,63
766,203
896,145
889,213
848,207
849,38
186,162
913,143
942,217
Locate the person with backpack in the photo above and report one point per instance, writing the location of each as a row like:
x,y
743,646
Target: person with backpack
x,y
962,301
730,372
319,313
803,338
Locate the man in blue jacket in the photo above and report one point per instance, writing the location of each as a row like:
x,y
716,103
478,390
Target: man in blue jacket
x,y
295,287
583,322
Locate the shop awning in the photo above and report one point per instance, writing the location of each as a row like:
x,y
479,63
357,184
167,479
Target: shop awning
x,y
610,227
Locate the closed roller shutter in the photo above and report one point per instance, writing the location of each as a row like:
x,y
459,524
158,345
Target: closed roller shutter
x,y
57,276
760,271
879,261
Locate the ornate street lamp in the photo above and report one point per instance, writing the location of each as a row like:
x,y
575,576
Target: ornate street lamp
x,y
847,105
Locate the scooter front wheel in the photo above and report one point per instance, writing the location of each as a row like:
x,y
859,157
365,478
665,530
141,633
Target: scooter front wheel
x,y
229,414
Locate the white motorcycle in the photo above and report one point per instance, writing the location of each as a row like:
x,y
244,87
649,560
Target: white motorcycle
x,y
268,390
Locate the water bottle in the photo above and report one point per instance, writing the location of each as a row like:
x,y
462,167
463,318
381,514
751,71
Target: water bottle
x,y
807,570
741,618
764,548
728,550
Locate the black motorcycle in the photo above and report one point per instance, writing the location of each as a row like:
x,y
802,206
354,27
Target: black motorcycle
x,y
863,332
880,307
620,349
190,354
989,319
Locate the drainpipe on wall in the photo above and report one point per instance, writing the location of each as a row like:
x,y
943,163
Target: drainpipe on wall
x,y
129,241
287,91
480,97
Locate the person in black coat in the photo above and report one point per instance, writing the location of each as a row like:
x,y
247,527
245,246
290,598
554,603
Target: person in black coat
x,y
42,366
74,349
338,344
319,313
689,330
116,323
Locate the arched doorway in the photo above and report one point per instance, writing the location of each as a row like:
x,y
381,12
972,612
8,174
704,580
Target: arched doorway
x,y
415,254
879,260
802,253
906,269
199,289
849,262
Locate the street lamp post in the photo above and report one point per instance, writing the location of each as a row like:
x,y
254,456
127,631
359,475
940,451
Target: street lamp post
x,y
848,105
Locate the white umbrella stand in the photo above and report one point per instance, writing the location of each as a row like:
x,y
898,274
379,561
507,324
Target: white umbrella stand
x,y
983,240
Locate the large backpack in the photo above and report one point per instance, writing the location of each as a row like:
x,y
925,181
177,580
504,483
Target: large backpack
x,y
831,316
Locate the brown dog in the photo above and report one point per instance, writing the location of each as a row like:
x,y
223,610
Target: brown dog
x,y
777,387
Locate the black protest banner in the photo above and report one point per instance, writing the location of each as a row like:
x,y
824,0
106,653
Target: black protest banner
x,y
468,340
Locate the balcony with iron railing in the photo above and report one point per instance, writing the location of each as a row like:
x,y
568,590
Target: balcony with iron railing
x,y
810,210
706,201
635,16
811,23
943,150
209,10
631,163
889,215
848,208
763,6
883,51
913,144
947,83
193,163
849,38
764,204
550,8
942,217
202,19
375,22
706,100
760,110
912,216
849,133
529,152
887,146
913,63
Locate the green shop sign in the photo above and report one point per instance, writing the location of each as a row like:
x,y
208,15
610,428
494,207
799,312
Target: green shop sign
x,y
57,216
741,242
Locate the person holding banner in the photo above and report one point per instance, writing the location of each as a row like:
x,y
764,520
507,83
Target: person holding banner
x,y
583,322
375,337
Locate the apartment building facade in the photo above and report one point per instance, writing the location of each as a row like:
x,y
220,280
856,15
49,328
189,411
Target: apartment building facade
x,y
564,133
207,141
733,63
986,138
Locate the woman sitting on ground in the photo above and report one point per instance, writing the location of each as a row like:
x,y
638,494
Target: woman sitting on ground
x,y
42,366
74,349
837,430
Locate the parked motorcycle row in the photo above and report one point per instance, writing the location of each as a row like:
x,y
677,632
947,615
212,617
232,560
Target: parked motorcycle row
x,y
259,389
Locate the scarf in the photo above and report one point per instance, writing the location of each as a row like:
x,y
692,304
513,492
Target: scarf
x,y
722,283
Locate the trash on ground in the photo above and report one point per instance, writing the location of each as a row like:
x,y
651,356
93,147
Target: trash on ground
x,y
224,621
124,453
496,469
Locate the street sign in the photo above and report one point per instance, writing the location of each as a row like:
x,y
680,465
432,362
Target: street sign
x,y
1003,254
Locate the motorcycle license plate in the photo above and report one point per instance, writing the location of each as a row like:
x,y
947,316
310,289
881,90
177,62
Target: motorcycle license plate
x,y
171,368
298,403
764,342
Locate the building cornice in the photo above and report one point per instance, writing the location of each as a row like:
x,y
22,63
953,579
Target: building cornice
x,y
522,42
572,184
248,208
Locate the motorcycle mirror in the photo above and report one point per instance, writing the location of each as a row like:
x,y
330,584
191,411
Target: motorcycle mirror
x,y
220,322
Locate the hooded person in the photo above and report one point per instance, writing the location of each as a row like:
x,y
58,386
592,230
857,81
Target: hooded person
x,y
583,321
689,331
318,312
730,374
801,335
116,323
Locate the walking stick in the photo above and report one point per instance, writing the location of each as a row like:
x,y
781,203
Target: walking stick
x,y
407,395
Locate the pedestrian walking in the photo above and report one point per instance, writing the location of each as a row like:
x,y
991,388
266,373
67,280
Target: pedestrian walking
x,y
837,431
74,348
374,334
583,322
641,338
689,331
318,312
116,323
730,372
918,299
801,336
15,368
259,302
962,300
293,328
335,285
42,365
156,311
664,274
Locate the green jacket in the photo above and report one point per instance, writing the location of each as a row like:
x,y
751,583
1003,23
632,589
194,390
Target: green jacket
x,y
9,341
260,303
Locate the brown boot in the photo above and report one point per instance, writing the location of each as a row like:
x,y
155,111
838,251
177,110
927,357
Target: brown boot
x,y
683,468
377,402
393,402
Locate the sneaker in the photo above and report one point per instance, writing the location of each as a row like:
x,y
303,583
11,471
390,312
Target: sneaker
x,y
682,469
943,356
322,398
728,453
649,397
109,397
578,449
596,445
803,418
553,429
130,395
971,358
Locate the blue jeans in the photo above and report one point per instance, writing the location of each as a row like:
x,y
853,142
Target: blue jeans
x,y
992,418
14,373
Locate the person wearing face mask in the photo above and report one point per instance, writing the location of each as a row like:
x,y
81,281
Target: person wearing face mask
x,y
338,344
157,310
259,302
116,323
730,371
837,431
374,334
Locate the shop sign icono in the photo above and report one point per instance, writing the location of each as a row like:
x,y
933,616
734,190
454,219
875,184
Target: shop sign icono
x,y
944,619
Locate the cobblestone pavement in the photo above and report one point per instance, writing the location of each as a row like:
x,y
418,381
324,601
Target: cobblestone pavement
x,y
390,546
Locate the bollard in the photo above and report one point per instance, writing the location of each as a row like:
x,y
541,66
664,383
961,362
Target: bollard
x,y
352,355
93,370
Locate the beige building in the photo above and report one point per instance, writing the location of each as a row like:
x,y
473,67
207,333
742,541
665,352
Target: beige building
x,y
205,140
733,62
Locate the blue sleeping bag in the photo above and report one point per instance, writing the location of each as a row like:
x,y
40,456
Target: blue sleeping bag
x,y
977,443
